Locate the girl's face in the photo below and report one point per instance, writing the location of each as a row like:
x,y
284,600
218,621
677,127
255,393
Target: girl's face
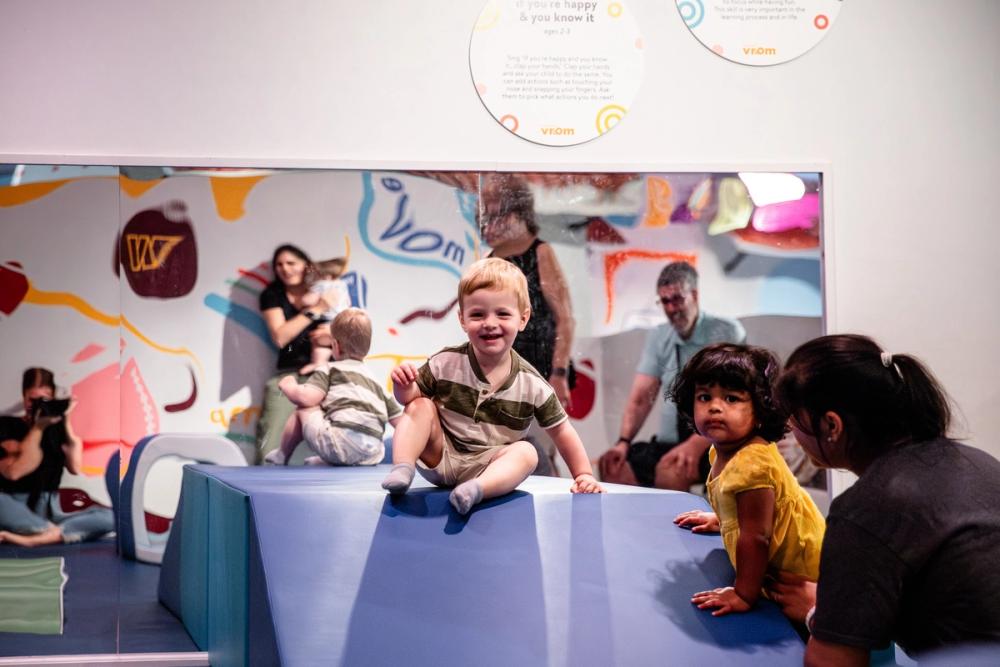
x,y
290,269
724,416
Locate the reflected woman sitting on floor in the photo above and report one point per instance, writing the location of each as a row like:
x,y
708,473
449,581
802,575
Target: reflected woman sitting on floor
x,y
34,449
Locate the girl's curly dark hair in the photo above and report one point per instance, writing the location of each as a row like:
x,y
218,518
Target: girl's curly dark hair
x,y
740,367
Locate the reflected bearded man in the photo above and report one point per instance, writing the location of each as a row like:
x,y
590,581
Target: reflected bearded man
x,y
677,457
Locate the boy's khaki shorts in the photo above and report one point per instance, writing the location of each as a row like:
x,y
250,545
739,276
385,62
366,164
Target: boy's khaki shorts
x,y
339,446
456,467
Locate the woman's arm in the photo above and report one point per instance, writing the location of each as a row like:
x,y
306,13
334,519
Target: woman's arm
x,y
820,653
557,296
24,459
285,331
73,447
755,514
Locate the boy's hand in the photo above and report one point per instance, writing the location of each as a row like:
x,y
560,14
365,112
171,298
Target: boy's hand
x,y
586,483
724,600
287,384
404,374
698,522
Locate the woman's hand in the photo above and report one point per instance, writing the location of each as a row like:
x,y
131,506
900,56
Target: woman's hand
x,y
795,594
723,600
585,483
320,335
698,521
45,421
561,386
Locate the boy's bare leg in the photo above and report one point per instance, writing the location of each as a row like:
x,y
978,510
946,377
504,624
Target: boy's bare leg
x,y
319,357
509,467
51,535
291,436
418,435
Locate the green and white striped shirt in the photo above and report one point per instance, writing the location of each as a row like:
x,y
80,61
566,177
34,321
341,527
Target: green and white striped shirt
x,y
474,416
354,398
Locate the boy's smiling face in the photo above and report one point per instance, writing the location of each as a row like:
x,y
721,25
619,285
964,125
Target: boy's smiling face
x,y
491,319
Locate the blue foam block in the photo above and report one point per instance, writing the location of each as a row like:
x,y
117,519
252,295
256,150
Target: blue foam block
x,y
318,566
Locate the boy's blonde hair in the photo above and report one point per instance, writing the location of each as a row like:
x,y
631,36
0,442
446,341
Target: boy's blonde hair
x,y
352,329
331,268
493,273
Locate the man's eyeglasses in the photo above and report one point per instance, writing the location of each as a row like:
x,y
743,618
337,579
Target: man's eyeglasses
x,y
676,301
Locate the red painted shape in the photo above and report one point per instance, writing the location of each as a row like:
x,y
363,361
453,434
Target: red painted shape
x,y
187,402
13,288
584,394
427,312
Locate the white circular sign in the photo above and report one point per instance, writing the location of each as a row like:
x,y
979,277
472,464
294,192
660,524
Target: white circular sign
x,y
556,72
759,32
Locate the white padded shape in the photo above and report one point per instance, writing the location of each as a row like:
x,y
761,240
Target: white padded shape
x,y
202,448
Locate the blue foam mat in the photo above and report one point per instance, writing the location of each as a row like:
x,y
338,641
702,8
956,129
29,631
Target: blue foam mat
x,y
327,569
110,606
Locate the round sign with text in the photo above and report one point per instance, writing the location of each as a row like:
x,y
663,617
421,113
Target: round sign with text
x,y
759,32
556,72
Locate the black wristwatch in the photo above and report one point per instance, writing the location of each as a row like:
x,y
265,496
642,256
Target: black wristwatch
x,y
627,441
311,315
560,371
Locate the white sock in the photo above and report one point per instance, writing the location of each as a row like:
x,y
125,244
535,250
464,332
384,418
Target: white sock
x,y
465,495
275,458
314,461
399,478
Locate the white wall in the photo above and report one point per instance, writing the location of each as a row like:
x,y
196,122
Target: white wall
x,y
898,104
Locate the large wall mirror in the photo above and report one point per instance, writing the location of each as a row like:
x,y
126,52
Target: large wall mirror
x,y
140,287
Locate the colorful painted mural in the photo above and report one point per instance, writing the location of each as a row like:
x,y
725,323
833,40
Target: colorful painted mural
x,y
143,294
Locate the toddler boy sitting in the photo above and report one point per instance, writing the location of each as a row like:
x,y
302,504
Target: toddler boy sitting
x,y
343,409
468,408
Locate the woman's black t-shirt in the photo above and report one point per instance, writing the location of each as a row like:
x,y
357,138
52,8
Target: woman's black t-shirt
x,y
538,340
297,352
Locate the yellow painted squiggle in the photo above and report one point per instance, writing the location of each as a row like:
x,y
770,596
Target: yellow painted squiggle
x,y
42,298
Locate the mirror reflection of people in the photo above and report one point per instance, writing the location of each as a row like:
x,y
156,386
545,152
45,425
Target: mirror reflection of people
x,y
34,450
910,553
680,457
507,221
295,328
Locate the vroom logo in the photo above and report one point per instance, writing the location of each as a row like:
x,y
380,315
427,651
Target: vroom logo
x,y
559,130
760,51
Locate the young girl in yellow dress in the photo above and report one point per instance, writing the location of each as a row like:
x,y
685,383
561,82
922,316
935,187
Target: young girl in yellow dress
x,y
768,522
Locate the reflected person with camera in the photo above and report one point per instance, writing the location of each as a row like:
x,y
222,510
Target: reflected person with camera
x,y
34,450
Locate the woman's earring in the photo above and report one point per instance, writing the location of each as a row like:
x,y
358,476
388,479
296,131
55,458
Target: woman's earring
x,y
829,438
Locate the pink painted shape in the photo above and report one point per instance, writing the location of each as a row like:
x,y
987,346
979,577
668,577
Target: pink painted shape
x,y
109,411
86,353
786,215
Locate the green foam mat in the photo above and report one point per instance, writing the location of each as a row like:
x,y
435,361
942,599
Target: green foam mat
x,y
31,595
